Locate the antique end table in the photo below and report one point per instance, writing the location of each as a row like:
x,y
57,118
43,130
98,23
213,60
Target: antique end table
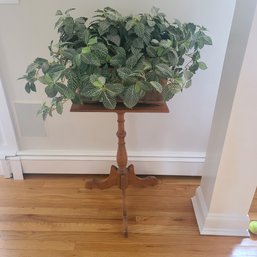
x,y
122,176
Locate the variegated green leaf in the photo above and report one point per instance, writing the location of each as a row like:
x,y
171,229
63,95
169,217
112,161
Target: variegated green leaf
x,y
109,101
157,86
65,91
124,72
114,89
131,97
139,29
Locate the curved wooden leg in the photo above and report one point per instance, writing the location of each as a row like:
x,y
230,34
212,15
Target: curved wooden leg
x,y
111,180
140,182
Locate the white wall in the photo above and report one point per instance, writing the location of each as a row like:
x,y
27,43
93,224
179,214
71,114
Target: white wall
x,y
25,32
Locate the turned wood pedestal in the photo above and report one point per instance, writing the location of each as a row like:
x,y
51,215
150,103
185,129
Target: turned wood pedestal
x,y
122,176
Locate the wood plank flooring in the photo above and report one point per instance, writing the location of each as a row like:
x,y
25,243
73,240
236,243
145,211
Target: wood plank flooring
x,y
55,216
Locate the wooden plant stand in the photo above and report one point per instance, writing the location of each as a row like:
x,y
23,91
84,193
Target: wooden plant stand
x,y
122,176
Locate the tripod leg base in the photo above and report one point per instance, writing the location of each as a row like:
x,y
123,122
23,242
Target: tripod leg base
x,y
140,182
111,180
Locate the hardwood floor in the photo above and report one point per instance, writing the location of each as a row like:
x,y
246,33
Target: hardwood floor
x,y
55,216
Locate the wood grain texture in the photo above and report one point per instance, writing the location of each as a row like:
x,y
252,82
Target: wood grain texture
x,y
55,216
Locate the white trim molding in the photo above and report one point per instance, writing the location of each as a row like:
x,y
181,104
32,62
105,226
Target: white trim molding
x,y
5,169
8,147
146,163
219,224
8,144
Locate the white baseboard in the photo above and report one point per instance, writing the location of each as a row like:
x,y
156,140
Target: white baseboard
x,y
216,223
9,1
147,163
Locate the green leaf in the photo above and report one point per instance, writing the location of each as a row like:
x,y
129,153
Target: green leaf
x,y
59,22
90,59
202,66
57,75
91,92
86,50
155,42
131,97
157,86
132,60
165,43
188,74
46,79
69,10
172,57
59,107
32,67
77,60
51,91
69,53
114,89
65,91
114,39
45,67
58,12
138,43
160,51
150,23
135,51
102,80
98,82
151,51
40,61
33,87
80,21
92,41
194,67
27,87
100,50
124,72
109,101
167,94
155,11
68,26
73,80
44,111
151,76
139,29
103,27
112,14
121,51
55,68
86,36
164,70
129,24
148,35
188,84
207,40
117,60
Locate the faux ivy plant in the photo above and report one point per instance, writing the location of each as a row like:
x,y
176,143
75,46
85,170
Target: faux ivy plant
x,y
117,58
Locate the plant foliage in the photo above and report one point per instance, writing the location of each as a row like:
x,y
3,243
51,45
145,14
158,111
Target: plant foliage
x,y
116,57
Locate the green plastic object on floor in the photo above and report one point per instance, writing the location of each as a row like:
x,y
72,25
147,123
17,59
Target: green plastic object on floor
x,y
253,227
